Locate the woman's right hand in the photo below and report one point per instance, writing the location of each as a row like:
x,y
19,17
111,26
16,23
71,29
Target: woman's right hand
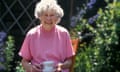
x,y
31,67
36,68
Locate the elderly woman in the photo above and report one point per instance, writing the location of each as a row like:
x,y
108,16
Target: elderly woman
x,y
47,41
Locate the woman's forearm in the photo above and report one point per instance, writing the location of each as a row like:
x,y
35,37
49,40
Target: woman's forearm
x,y
67,64
26,65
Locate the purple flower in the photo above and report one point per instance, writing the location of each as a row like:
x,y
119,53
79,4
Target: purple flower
x,y
1,44
2,36
92,1
2,59
2,67
73,21
92,19
80,14
90,4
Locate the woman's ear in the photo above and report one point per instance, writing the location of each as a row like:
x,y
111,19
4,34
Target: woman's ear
x,y
58,21
40,18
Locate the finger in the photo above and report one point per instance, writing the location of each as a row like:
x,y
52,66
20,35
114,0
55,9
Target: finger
x,y
59,67
38,66
41,66
35,68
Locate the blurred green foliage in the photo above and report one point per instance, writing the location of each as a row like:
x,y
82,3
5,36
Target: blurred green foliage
x,y
19,67
8,53
102,51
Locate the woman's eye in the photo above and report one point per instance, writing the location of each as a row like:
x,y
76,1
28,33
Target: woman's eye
x,y
45,15
51,15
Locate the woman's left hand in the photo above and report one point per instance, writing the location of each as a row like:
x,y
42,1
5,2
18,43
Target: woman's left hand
x,y
65,65
58,67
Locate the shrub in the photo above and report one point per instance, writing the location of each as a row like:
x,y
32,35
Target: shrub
x,y
19,67
7,54
97,55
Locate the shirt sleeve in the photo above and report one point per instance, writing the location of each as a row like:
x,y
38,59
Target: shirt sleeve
x,y
25,49
69,48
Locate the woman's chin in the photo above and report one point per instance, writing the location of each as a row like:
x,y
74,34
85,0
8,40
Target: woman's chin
x,y
49,23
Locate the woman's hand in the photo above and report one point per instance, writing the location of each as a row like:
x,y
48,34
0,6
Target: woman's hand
x,y
58,67
37,68
65,65
31,68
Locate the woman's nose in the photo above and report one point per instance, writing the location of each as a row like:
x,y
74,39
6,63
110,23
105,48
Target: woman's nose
x,y
48,17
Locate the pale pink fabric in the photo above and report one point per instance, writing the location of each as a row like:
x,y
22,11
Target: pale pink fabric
x,y
41,45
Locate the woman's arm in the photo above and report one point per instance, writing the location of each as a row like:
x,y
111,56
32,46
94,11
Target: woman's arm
x,y
65,65
26,65
29,67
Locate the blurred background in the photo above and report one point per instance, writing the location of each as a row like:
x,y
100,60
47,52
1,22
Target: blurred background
x,y
94,22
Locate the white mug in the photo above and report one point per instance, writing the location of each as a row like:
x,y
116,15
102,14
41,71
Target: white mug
x,y
48,66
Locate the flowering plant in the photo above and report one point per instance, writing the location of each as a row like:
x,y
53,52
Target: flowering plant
x,y
6,52
2,42
100,40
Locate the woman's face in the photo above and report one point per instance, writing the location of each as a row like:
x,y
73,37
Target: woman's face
x,y
49,17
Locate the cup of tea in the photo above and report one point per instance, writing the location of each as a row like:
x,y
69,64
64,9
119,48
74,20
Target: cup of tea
x,y
48,66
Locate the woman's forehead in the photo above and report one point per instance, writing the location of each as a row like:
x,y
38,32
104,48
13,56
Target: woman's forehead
x,y
51,11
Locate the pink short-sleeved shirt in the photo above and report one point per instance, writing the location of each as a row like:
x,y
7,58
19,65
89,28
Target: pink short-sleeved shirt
x,y
41,45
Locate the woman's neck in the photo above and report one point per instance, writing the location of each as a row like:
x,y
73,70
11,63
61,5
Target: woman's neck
x,y
47,27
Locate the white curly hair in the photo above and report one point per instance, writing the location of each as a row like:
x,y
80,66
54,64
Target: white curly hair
x,y
45,5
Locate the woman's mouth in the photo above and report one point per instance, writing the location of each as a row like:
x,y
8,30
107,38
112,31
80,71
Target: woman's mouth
x,y
48,22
